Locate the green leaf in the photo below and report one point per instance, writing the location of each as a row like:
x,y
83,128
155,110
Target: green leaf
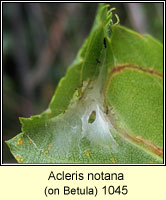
x,y
108,107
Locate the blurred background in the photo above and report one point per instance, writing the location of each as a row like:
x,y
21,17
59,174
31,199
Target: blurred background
x,y
40,41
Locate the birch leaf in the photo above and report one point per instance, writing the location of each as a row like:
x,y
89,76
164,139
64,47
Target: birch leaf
x,y
107,109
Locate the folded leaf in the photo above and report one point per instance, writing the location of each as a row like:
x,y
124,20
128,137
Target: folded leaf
x,y
107,109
